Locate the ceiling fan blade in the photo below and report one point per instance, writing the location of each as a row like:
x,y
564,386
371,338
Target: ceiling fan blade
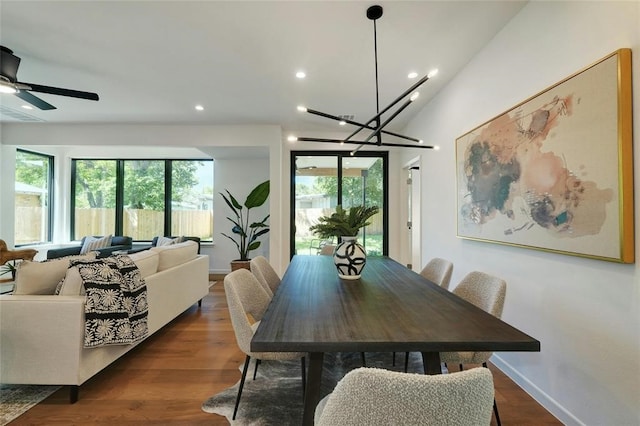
x,y
34,100
63,92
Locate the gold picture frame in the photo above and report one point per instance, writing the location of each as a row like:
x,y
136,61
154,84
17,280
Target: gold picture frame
x,y
555,172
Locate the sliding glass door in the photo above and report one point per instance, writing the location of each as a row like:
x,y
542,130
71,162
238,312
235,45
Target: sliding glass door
x,y
322,180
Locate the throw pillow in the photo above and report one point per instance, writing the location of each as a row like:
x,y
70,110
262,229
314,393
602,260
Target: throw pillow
x,y
167,241
93,243
71,284
43,277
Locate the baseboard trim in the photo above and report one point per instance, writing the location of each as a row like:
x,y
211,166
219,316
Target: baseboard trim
x,y
217,275
544,399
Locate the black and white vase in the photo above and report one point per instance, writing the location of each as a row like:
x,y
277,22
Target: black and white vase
x,y
349,258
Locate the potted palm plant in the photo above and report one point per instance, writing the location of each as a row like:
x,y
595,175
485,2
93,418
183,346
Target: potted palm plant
x,y
8,268
349,256
245,232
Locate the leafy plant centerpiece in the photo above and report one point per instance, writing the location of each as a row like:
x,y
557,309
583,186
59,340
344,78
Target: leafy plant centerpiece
x,y
344,223
348,256
245,232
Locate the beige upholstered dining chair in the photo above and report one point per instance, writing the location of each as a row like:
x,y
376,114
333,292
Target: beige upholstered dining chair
x,y
246,296
438,271
327,250
265,273
488,293
370,396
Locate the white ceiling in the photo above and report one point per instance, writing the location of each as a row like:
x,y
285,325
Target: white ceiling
x,y
152,62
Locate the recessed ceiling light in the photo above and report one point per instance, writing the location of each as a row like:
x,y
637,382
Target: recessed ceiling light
x,y
27,107
199,108
412,74
301,74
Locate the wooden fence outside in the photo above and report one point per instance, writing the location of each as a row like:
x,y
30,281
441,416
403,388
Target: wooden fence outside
x,y
142,224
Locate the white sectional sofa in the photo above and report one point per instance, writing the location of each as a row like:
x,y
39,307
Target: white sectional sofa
x,y
42,334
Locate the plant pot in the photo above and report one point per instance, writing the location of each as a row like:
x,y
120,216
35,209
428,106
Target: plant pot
x,y
240,264
349,258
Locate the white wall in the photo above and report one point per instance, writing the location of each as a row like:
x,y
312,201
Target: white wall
x,y
586,313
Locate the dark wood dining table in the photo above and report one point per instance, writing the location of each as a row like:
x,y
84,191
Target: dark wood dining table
x,y
389,309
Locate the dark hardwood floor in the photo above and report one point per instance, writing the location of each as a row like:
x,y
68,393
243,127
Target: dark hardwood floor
x,y
166,378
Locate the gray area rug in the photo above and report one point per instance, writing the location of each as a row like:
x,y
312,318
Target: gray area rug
x,y
275,396
17,399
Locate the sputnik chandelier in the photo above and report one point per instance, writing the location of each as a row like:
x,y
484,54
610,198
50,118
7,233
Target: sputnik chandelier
x,y
375,123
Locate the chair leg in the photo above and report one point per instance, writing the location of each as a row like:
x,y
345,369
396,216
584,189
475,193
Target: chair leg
x,y
495,406
406,361
461,368
244,374
304,376
255,371
393,360
495,411
364,361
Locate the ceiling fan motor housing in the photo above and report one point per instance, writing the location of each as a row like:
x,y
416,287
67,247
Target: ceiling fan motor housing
x,y
8,64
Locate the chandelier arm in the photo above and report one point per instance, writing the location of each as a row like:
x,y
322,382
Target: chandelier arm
x,y
363,143
356,123
392,104
377,131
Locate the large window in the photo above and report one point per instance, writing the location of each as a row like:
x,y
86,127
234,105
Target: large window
x,y
321,180
33,197
142,198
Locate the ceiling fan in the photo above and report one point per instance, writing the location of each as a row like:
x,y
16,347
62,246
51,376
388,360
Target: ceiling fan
x,y
9,84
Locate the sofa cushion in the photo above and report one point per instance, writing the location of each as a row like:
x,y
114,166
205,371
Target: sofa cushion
x,y
43,277
175,254
146,261
95,243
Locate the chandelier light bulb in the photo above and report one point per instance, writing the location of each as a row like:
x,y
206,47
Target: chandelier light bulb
x,y
301,74
436,147
420,141
302,108
414,96
412,74
432,73
292,138
342,122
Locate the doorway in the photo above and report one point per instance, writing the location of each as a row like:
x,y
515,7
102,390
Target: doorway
x,y
321,180
414,213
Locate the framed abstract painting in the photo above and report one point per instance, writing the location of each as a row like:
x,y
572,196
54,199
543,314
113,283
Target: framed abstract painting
x,y
555,172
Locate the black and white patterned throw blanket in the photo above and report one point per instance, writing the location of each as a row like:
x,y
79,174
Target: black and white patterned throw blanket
x,y
116,306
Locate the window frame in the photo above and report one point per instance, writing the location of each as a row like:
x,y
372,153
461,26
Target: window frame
x,y
341,155
50,159
120,183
